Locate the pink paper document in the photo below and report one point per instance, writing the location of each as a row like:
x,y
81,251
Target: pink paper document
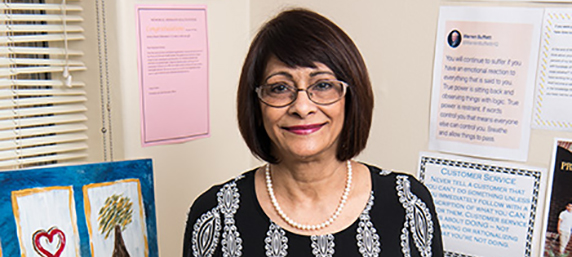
x,y
173,73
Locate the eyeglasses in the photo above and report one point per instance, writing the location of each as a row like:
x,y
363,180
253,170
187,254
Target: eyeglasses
x,y
282,94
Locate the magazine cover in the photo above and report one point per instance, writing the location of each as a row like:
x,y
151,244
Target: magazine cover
x,y
558,215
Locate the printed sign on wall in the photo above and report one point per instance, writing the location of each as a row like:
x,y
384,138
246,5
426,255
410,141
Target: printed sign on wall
x,y
483,81
173,73
485,209
554,80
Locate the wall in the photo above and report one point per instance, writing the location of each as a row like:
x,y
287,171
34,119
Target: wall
x,y
182,171
401,72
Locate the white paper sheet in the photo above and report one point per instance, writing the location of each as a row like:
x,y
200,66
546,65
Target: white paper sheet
x,y
483,86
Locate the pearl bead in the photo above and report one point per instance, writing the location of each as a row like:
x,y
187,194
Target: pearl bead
x,y
305,226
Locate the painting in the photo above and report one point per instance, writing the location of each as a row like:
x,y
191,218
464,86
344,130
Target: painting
x,y
114,208
46,218
100,209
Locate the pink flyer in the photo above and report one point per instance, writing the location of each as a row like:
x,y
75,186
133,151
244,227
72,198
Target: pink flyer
x,y
173,73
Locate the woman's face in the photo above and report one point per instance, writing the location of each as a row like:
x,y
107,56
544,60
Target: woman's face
x,y
303,129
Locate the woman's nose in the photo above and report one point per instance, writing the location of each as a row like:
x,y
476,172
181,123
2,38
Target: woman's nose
x,y
302,106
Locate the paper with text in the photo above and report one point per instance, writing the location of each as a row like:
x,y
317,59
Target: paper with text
x,y
553,101
483,81
173,73
485,209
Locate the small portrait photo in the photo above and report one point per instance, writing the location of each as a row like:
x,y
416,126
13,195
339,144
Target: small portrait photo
x,y
454,38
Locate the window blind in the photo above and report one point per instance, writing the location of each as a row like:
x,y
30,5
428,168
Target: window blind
x,y
42,108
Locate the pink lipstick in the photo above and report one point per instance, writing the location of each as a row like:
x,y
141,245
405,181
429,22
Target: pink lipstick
x,y
305,129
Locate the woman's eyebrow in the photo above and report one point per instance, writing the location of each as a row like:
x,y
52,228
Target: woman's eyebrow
x,y
317,73
283,73
289,76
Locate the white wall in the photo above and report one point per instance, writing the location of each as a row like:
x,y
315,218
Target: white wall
x,y
182,171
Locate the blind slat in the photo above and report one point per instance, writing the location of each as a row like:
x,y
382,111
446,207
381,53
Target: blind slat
x,y
41,159
8,93
40,28
12,144
44,17
5,72
38,7
34,61
36,83
38,131
39,38
39,121
26,112
33,151
38,50
21,102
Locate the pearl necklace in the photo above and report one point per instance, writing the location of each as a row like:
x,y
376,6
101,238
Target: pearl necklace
x,y
304,226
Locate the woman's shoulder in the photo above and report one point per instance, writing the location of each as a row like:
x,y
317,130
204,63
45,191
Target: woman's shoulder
x,y
386,179
403,199
387,174
205,217
209,198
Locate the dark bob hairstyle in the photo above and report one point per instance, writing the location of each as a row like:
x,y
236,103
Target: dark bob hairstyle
x,y
300,38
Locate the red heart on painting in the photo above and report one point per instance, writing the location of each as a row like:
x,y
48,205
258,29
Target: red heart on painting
x,y
52,232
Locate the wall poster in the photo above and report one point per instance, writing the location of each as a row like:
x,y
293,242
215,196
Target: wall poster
x,y
483,81
553,100
83,210
173,73
485,209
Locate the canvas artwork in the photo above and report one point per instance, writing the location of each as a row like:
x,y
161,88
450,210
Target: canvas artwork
x,y
113,210
102,209
46,217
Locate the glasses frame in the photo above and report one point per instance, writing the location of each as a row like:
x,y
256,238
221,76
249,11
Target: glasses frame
x,y
345,86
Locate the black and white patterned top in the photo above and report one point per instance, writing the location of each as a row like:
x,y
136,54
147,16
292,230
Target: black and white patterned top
x,y
399,220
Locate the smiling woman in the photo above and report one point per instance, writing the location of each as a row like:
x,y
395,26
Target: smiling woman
x,y
303,129
305,106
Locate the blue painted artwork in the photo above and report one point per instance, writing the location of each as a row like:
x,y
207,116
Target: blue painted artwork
x,y
97,209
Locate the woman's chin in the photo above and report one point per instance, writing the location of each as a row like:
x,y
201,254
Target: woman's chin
x,y
309,154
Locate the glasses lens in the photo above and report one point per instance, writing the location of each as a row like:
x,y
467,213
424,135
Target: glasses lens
x,y
326,92
277,95
282,94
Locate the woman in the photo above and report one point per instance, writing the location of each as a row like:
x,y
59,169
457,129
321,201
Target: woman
x,y
305,106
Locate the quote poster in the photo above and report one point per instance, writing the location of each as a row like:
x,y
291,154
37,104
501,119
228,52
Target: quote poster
x,y
553,101
485,209
483,81
557,227
173,73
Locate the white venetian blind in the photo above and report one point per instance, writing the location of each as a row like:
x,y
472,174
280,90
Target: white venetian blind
x,y
41,106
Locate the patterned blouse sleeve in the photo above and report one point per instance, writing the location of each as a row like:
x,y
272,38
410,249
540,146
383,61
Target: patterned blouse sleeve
x,y
202,212
423,193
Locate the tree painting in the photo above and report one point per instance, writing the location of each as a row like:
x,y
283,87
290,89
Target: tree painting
x,y
115,215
